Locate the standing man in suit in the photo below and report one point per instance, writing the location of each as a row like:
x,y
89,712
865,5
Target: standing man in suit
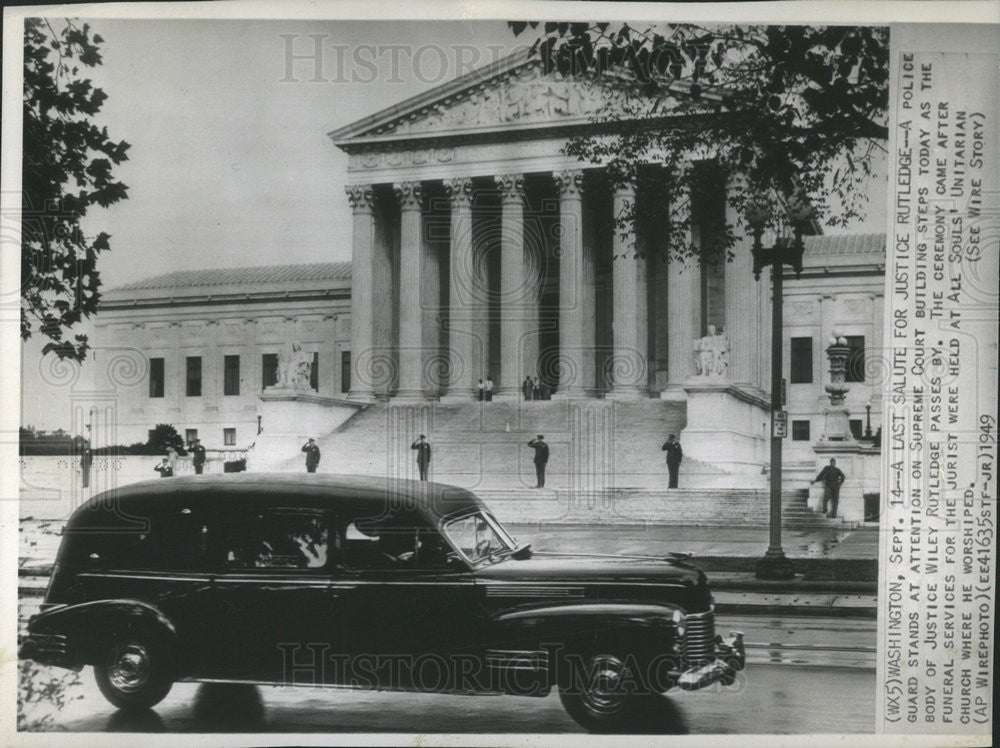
x,y
198,457
423,448
480,389
541,458
832,477
674,456
311,448
489,389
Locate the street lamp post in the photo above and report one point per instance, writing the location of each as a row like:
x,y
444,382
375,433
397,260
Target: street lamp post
x,y
785,251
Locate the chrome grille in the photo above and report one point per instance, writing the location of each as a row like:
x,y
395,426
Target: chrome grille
x,y
699,640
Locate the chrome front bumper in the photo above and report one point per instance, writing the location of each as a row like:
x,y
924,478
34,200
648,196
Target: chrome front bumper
x,y
730,658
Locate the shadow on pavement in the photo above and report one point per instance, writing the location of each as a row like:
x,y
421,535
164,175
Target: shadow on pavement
x,y
658,715
145,720
229,707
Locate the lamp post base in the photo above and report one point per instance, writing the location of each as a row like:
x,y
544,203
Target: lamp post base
x,y
774,565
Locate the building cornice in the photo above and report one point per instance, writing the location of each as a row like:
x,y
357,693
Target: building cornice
x,y
222,299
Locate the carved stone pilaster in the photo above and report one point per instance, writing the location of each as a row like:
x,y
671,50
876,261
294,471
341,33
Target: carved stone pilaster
x,y
459,192
361,197
511,187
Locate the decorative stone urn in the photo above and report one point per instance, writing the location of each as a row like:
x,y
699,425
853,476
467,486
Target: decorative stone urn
x,y
837,427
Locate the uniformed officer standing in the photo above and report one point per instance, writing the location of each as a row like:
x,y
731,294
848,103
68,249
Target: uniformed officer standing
x,y
311,448
541,458
423,448
674,456
198,457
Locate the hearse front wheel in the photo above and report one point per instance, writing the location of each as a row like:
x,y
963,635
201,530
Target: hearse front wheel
x,y
596,693
133,670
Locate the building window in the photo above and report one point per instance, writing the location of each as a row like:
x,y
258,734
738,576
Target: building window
x,y
314,372
268,370
801,361
231,383
190,435
345,371
857,427
855,359
229,437
194,376
800,431
156,377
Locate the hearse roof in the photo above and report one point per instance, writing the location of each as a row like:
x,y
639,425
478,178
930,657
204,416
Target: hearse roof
x,y
433,500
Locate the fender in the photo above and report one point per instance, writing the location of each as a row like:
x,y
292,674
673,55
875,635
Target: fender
x,y
82,623
642,627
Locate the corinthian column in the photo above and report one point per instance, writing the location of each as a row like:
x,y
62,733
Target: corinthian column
x,y
513,286
411,386
462,294
628,361
741,301
683,315
576,291
361,198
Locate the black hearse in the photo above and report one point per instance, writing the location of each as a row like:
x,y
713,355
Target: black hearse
x,y
367,583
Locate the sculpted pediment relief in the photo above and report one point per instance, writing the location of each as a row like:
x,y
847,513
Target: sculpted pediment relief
x,y
525,96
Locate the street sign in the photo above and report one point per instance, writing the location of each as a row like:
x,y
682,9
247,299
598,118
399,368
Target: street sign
x,y
779,424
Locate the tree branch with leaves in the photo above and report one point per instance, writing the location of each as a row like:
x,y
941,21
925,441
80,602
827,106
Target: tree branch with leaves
x,y
786,110
67,169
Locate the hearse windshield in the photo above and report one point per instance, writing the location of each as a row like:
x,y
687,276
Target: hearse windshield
x,y
480,538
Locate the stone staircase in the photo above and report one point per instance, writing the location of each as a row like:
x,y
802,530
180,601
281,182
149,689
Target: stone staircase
x,y
606,465
595,444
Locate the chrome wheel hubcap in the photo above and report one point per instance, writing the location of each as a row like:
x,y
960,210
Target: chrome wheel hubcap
x,y
604,693
129,667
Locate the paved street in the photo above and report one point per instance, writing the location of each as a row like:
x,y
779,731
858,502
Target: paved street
x,y
769,699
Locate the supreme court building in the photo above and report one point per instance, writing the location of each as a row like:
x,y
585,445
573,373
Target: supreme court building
x,y
481,250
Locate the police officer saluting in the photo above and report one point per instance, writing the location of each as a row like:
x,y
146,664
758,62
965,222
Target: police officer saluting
x,y
423,448
541,458
674,455
311,448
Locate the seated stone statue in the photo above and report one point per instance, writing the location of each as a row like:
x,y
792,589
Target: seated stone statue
x,y
711,354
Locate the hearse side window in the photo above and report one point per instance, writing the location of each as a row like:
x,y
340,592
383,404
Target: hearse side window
x,y
173,541
276,539
389,543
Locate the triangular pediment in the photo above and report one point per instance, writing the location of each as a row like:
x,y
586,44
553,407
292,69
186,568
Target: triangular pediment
x,y
513,93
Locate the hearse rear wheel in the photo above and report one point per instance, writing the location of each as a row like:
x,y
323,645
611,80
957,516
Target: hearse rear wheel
x,y
133,671
595,694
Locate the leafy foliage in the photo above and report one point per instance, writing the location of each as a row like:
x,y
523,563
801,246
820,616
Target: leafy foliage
x,y
165,435
67,169
789,113
43,691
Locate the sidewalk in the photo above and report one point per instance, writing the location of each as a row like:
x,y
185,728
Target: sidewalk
x,y
836,570
700,541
